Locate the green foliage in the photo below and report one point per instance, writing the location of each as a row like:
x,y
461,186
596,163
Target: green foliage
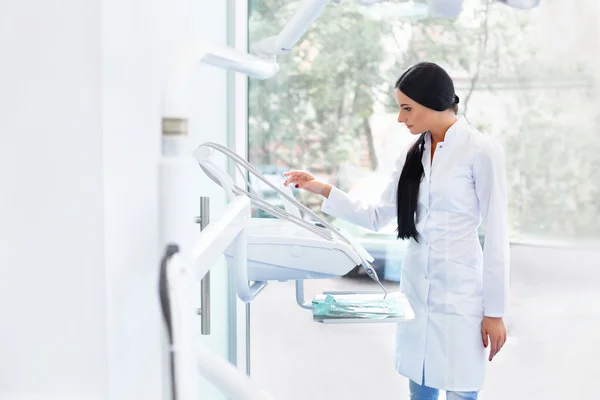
x,y
312,114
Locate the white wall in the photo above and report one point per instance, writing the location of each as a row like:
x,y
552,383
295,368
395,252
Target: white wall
x,y
52,290
80,103
131,97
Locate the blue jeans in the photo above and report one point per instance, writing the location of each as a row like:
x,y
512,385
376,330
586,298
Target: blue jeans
x,y
418,392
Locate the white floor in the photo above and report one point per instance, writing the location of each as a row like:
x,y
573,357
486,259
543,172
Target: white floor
x,y
553,350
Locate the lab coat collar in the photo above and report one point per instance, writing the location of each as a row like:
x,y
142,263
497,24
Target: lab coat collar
x,y
453,134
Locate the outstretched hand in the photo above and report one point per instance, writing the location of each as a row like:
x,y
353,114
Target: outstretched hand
x,y
304,180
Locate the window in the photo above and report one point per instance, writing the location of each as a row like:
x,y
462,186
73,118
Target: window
x,y
520,78
527,78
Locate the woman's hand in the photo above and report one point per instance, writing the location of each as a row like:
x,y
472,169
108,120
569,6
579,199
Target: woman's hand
x,y
306,181
494,328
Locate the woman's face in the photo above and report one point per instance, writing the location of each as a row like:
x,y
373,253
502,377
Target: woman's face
x,y
416,117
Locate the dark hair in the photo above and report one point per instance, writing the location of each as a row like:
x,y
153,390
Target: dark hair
x,y
429,85
408,190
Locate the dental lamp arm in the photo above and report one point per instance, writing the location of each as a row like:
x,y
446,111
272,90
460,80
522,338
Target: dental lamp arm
x,y
235,60
300,22
190,53
310,10
291,33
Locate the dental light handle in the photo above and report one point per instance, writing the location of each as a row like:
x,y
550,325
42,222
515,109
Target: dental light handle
x,y
203,153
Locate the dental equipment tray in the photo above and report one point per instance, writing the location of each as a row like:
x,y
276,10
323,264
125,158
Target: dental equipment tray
x,y
361,307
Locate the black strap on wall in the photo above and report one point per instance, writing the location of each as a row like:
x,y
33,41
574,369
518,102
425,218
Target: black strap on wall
x,y
165,304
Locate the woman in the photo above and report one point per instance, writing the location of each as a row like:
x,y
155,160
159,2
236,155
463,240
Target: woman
x,y
444,186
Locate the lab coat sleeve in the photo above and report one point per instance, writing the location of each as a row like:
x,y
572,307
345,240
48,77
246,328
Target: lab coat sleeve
x,y
372,216
489,171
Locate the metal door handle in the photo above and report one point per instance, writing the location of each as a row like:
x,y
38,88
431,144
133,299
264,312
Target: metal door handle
x,y
204,311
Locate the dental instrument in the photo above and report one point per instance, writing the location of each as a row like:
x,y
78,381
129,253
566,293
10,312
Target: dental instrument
x,y
203,155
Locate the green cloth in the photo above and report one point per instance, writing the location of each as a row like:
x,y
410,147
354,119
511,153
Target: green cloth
x,y
362,306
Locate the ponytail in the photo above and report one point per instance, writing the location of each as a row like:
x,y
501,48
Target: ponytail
x,y
408,190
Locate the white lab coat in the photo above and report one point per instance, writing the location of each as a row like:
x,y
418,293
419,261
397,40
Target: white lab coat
x,y
449,281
